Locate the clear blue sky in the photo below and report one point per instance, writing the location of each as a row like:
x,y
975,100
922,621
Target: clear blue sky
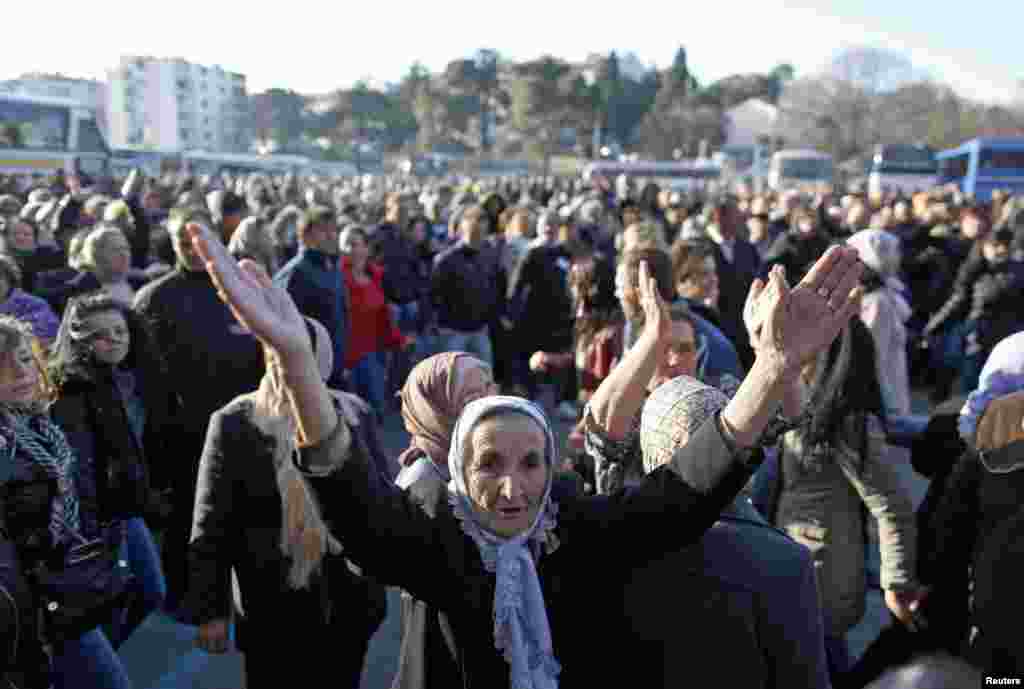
x,y
315,47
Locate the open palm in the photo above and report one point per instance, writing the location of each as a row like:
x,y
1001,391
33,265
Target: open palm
x,y
266,310
798,323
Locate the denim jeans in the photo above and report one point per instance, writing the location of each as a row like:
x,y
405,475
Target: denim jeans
x,y
139,550
89,662
477,343
369,381
903,430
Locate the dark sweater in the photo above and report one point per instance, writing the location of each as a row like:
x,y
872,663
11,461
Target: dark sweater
x,y
468,287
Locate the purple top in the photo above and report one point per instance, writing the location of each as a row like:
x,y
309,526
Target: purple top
x,y
32,310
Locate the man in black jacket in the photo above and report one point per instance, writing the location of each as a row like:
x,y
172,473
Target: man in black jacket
x,y
737,263
468,289
211,358
315,282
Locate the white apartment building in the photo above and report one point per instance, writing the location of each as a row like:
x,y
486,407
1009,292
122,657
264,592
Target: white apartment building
x,y
172,104
90,93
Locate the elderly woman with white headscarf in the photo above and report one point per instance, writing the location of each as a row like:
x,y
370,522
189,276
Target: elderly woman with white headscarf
x,y
514,571
885,311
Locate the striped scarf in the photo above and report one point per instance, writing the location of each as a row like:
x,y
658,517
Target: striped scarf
x,y
46,446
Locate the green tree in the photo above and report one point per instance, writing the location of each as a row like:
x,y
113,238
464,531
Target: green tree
x,y
478,77
279,115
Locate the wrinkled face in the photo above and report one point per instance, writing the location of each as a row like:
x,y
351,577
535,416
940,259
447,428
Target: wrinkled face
x,y
507,473
680,357
19,376
23,238
111,340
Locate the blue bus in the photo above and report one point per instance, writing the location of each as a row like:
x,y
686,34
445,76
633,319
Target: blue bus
x,y
980,166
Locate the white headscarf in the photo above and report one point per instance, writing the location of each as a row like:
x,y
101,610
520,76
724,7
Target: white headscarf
x,y
521,628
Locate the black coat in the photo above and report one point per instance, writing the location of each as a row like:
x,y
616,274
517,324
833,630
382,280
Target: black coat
x,y
117,475
988,295
422,549
976,502
237,524
209,358
734,279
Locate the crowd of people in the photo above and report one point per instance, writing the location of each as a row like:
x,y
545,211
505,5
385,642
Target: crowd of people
x,y
646,425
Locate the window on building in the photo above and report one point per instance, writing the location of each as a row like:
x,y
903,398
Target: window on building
x,y
89,138
33,126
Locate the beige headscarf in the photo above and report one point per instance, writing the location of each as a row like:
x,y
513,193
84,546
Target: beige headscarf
x,y
432,400
1002,423
305,538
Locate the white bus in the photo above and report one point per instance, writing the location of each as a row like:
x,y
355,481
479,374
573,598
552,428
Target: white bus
x,y
152,162
208,163
687,175
903,168
44,135
800,167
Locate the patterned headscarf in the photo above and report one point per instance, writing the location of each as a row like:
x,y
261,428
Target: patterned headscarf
x,y
1003,373
521,628
431,403
671,414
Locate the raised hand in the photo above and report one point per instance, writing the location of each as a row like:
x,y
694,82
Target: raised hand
x,y
796,324
657,319
266,310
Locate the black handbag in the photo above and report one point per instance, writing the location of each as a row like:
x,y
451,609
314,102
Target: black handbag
x,y
82,591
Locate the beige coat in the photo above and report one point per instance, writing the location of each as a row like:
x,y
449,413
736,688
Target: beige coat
x,y
823,510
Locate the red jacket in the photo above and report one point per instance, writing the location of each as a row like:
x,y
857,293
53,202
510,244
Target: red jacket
x,y
372,328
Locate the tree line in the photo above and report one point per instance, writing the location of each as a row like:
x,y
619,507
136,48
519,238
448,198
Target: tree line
x,y
487,104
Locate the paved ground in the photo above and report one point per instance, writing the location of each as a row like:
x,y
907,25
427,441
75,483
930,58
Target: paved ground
x,y
161,655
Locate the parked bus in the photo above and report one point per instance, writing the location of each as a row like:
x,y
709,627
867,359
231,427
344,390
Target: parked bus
x,y
682,175
44,135
153,163
800,167
208,163
980,166
902,167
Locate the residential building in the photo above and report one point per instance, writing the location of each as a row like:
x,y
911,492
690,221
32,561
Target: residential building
x,y
169,103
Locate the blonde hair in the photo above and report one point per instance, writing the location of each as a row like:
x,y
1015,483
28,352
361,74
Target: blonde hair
x,y
14,332
94,244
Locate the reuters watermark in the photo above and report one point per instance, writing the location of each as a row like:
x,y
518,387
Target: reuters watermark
x,y
1002,682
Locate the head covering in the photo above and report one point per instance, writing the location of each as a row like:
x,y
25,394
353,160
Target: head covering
x,y
879,249
1003,373
672,413
1001,424
431,404
521,628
